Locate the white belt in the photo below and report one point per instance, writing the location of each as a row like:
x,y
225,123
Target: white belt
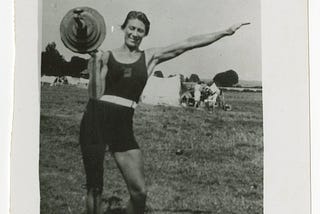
x,y
119,100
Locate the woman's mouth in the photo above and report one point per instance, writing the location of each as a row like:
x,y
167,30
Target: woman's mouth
x,y
133,40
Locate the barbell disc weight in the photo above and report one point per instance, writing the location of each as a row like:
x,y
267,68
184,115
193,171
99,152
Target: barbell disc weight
x,y
83,39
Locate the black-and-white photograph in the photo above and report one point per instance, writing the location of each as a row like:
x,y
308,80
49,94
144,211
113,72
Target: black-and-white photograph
x,y
151,106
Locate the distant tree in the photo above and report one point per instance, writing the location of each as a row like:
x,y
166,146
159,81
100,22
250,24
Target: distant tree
x,y
158,74
194,78
54,64
226,79
52,61
75,66
186,79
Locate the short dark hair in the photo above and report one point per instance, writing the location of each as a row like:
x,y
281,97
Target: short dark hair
x,y
137,15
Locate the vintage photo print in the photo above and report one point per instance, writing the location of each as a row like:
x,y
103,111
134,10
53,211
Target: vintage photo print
x,y
151,107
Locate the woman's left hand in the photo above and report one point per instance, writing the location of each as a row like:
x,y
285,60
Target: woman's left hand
x,y
231,30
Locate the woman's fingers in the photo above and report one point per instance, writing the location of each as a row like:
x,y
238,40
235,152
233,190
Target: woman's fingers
x,y
93,53
96,54
246,23
243,24
237,26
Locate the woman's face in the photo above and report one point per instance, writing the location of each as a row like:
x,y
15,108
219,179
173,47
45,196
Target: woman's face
x,y
134,32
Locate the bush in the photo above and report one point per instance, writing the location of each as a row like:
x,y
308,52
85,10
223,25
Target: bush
x,y
226,79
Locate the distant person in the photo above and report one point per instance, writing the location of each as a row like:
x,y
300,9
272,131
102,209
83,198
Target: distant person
x,y
115,86
197,94
211,95
220,100
215,91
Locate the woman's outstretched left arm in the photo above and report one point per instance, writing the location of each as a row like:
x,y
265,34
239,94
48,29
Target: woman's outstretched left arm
x,y
158,55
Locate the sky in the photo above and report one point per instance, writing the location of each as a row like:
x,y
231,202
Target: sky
x,y
173,21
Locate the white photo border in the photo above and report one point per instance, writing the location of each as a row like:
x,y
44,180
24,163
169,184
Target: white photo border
x,y
6,94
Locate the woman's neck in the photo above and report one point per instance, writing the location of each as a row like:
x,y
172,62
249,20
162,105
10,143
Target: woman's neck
x,y
131,50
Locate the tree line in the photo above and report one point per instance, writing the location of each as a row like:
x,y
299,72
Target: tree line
x,y
224,79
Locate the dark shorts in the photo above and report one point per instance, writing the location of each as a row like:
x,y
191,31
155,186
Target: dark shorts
x,y
103,124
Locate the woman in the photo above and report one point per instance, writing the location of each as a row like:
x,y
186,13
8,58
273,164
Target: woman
x,y
117,78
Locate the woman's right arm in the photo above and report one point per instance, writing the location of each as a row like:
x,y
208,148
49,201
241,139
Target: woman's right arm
x,y
97,67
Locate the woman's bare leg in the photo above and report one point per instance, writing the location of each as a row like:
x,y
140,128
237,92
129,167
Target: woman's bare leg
x,y
93,201
130,164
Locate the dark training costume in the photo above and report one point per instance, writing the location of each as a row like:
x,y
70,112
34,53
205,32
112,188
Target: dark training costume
x,y
105,123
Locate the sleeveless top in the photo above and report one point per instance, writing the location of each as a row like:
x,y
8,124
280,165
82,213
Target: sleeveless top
x,y
126,80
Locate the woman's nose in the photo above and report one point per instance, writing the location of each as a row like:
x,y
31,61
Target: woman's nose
x,y
134,33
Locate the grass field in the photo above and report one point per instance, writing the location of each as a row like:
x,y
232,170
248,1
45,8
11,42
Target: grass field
x,y
220,170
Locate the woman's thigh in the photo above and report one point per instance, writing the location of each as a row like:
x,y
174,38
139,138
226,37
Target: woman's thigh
x,y
130,164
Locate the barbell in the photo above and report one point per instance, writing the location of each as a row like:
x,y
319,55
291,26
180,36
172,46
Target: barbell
x,y
82,30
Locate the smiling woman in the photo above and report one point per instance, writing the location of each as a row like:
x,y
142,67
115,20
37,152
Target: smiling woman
x,y
116,81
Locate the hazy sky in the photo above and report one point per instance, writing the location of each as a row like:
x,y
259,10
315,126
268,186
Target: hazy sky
x,y
172,21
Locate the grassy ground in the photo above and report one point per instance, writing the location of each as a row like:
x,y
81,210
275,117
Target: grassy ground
x,y
220,170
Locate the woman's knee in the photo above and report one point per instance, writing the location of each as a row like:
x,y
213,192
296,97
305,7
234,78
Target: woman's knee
x,y
139,193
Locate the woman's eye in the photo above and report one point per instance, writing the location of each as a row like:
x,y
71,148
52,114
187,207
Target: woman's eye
x,y
140,30
131,28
